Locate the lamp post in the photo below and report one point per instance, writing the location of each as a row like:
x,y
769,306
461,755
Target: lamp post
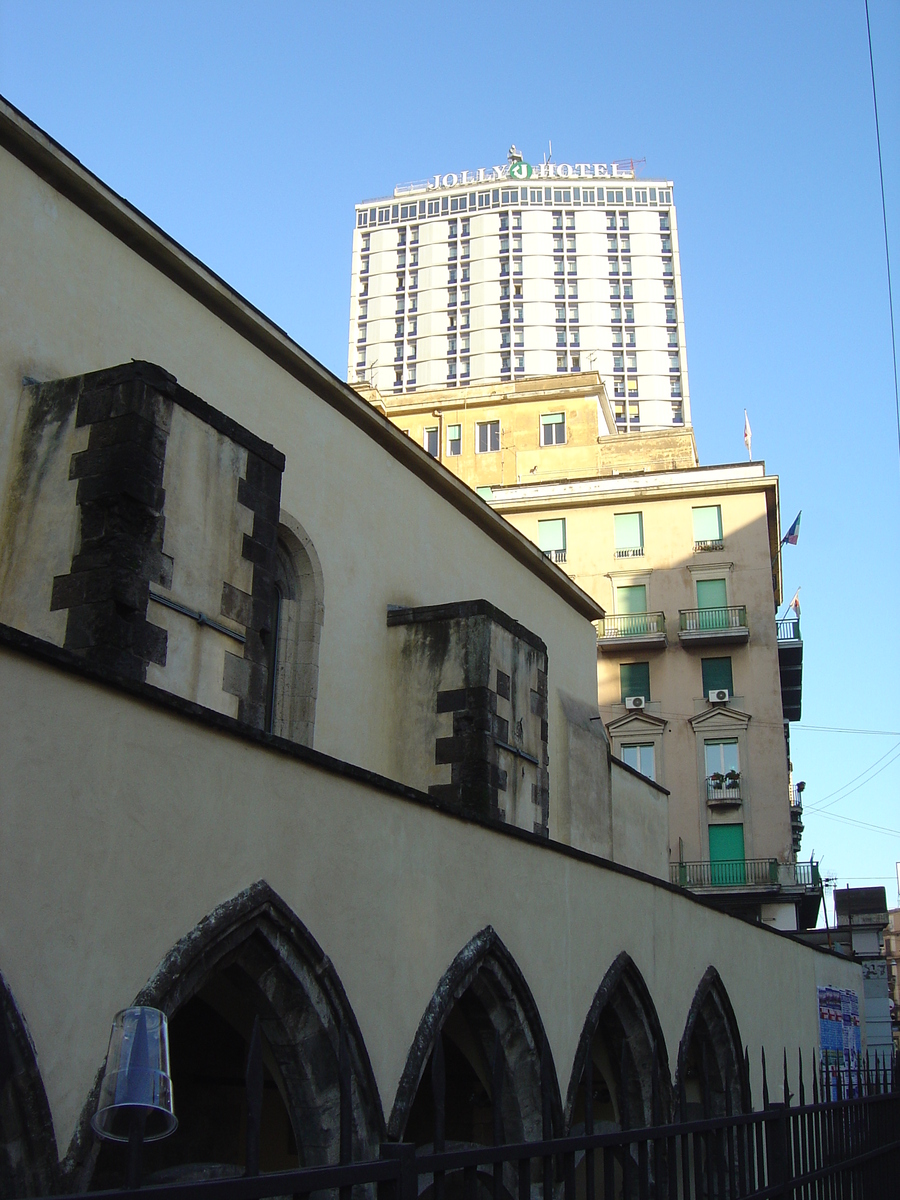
x,y
135,1104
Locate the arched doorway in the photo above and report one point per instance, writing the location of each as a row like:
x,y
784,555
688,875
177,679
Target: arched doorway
x,y
711,1079
252,958
499,1079
28,1154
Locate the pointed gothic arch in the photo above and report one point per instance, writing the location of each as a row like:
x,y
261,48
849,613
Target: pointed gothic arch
x,y
483,1001
630,1064
711,1075
28,1155
253,957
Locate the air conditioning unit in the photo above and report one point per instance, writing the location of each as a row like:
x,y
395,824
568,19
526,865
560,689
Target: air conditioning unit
x,y
635,702
719,696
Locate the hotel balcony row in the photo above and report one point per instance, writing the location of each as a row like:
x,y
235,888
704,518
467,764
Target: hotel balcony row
x,y
740,886
696,626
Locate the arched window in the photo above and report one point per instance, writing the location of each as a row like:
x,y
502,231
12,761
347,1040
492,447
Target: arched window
x,y
298,613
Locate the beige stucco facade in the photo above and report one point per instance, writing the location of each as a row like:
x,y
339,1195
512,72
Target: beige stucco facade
x,y
307,865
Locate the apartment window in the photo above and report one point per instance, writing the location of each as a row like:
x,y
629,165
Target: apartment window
x,y
401,281
553,429
411,329
398,379
414,278
504,314
517,216
517,243
626,266
726,854
401,258
570,244
364,266
619,385
570,219
707,523
558,243
623,220
711,594
667,266
716,674
487,436
465,295
363,310
561,337
614,266
721,757
632,340
629,535
517,266
670,290
631,598
560,291
464,343
504,338
413,258
504,222
629,313
361,356
366,241
451,368
401,237
454,440
465,249
451,229
572,266
504,291
552,539
627,291
573,289
626,243
414,235
641,757
504,245
451,275
561,313
634,679
559,266
398,351
431,441
614,291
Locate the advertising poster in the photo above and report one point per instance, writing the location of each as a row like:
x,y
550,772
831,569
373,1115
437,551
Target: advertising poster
x,y
839,1038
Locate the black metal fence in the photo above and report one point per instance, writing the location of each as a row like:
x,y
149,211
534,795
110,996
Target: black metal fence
x,y
842,1144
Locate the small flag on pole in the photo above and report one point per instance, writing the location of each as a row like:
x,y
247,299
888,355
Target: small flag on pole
x,y
793,534
747,434
795,603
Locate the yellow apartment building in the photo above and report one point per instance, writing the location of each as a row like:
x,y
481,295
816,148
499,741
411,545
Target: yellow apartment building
x,y
697,678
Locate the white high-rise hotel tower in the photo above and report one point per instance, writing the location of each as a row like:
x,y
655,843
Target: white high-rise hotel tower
x,y
520,270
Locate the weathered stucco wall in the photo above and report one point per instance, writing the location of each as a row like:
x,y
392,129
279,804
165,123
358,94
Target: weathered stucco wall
x,y
640,818
166,818
77,299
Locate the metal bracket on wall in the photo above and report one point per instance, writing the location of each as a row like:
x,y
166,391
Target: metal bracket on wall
x,y
195,615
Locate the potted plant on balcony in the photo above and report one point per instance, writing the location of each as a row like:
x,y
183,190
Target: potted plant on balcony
x,y
717,780
732,780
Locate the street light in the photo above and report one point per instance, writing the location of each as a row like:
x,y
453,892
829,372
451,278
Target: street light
x,y
135,1102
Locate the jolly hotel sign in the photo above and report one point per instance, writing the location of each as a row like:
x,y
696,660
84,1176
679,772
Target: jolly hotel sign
x,y
522,171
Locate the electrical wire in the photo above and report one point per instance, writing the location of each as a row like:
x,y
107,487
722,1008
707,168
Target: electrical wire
x,y
841,793
887,252
860,824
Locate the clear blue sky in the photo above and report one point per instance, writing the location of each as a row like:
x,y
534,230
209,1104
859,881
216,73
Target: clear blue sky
x,y
248,131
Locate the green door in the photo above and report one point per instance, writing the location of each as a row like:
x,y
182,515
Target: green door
x,y
631,610
726,855
713,603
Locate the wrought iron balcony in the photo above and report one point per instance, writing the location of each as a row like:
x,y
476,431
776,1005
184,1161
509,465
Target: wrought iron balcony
x,y
746,873
710,625
790,666
723,789
626,630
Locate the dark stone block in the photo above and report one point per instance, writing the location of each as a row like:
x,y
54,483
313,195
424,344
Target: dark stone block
x,y
151,643
469,720
236,676
503,682
263,476
451,701
236,605
542,683
538,704
545,732
501,729
260,554
68,590
268,507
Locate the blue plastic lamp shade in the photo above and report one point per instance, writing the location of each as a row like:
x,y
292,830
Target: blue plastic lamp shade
x,y
136,1079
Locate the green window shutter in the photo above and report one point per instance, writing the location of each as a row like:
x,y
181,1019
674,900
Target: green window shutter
x,y
716,674
631,599
635,679
708,523
711,593
629,531
552,535
726,854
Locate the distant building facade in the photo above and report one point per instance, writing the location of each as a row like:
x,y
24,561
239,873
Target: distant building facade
x,y
697,680
518,271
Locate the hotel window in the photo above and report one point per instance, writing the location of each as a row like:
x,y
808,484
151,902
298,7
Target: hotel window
x,y
519,338
629,314
552,539
716,674
559,265
464,324
666,244
634,680
401,258
576,362
610,220
619,389
707,526
451,368
641,758
517,216
411,352
574,339
573,312
431,441
464,343
411,375
663,220
631,362
398,351
560,337
504,314
362,334
561,313
617,337
561,364
504,291
464,373
670,290
674,364
612,244
364,266
573,289
630,338
454,440
557,220
520,312
413,258
560,291
677,412
553,429
558,243
366,241
504,223
452,275
667,266
363,309
632,387
572,266
414,235
504,338
465,274
401,281
504,245
627,291
361,356
401,237
570,243
517,243
414,279
623,220
451,252
364,287
398,379
520,362
626,243
487,436
451,229
675,386
517,266
626,266
629,535
465,295
614,266
671,314
451,298
570,220
618,362
398,332
451,320
673,337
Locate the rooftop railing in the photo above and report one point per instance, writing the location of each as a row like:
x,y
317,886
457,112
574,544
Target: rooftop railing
x,y
745,872
788,629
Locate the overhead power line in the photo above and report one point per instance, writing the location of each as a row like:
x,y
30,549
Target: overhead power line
x,y
845,789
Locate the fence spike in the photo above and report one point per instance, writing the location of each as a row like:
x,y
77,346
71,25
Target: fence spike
x,y
800,1076
253,1079
497,1089
439,1091
786,1087
747,1093
765,1080
815,1078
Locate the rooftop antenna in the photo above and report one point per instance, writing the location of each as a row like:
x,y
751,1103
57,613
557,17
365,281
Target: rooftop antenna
x,y
550,144
513,154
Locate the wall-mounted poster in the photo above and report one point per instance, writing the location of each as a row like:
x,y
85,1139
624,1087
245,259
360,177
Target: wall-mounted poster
x,y
839,1038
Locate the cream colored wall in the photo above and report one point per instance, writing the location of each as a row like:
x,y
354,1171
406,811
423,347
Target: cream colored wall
x,y
640,815
125,824
76,299
675,673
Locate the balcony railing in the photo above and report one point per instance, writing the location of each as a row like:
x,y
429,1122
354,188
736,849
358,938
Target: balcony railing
x,y
631,552
556,555
725,624
746,872
723,791
789,629
631,625
708,544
